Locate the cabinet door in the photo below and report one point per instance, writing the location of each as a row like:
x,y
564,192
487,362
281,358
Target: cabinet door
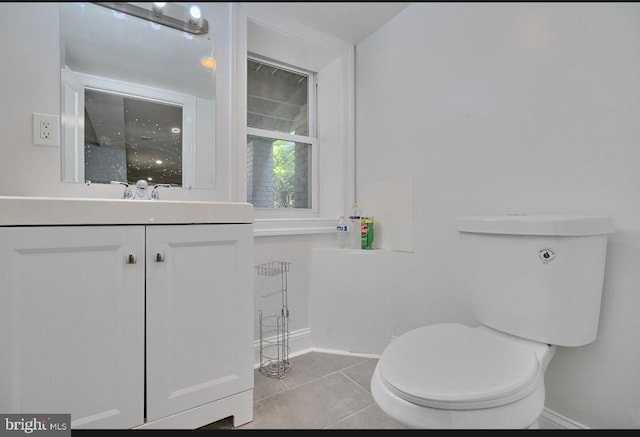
x,y
199,315
72,323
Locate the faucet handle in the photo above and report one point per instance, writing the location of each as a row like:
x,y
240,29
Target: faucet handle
x,y
141,189
155,193
127,191
142,184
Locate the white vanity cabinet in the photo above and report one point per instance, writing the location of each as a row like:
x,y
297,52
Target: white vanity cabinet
x,y
72,323
127,326
199,319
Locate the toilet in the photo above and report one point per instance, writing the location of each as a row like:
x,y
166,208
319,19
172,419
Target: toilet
x,y
535,284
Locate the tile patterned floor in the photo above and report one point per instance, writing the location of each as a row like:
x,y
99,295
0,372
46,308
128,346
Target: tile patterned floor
x,y
320,391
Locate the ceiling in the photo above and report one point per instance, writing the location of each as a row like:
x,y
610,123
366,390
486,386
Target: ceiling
x,y
349,21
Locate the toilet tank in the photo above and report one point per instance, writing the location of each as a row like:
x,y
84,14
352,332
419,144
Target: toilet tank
x,y
538,277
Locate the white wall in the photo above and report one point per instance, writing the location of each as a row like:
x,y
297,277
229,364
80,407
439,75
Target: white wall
x,y
352,298
503,107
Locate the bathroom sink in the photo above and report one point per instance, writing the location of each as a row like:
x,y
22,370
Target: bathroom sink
x,y
25,211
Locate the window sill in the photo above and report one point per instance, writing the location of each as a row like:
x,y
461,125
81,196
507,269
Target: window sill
x,y
293,226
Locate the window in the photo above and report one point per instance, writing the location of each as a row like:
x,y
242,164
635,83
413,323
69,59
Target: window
x,y
322,186
281,136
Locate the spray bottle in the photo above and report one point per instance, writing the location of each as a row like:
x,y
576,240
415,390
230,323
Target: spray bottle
x,y
355,241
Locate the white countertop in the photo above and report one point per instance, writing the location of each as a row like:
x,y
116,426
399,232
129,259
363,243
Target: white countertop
x,y
28,211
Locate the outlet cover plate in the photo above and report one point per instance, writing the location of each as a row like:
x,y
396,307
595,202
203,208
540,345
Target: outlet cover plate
x,y
46,130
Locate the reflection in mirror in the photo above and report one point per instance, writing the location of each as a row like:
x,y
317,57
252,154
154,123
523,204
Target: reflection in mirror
x,y
138,100
128,139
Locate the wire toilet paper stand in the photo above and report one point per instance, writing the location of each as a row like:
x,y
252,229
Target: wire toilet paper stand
x,y
274,329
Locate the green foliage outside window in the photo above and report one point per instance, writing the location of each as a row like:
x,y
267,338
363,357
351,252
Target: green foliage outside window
x,y
283,173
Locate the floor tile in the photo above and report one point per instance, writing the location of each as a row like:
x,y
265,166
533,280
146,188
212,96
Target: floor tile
x,y
265,386
320,391
307,367
361,373
315,405
370,418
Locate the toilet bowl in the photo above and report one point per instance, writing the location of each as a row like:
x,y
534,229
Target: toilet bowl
x,y
534,283
449,375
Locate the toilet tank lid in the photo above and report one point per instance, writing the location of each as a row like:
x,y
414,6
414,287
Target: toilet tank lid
x,y
536,224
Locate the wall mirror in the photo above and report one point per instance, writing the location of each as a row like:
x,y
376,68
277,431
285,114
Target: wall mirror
x,y
137,99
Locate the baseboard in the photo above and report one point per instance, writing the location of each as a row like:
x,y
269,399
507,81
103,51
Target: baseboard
x,y
300,343
347,353
557,421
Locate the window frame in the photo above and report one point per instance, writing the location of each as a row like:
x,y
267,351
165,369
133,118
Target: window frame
x,y
258,31
312,140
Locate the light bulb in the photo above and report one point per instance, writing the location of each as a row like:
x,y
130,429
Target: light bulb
x,y
157,7
195,12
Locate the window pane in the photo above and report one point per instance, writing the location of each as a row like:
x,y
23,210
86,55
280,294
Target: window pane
x,y
279,173
277,99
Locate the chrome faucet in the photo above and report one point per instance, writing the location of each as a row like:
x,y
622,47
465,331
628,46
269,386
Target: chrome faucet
x,y
127,191
155,193
142,188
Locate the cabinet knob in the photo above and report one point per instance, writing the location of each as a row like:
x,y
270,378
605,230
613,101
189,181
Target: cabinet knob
x,y
131,259
159,257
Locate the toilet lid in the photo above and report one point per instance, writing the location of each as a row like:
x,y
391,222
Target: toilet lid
x,y
453,366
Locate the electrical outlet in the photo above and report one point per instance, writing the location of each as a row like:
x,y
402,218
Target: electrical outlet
x,y
46,130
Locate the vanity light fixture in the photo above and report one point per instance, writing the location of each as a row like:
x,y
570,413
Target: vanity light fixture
x,y
169,14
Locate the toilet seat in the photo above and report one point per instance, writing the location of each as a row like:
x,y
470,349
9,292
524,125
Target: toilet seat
x,y
455,367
